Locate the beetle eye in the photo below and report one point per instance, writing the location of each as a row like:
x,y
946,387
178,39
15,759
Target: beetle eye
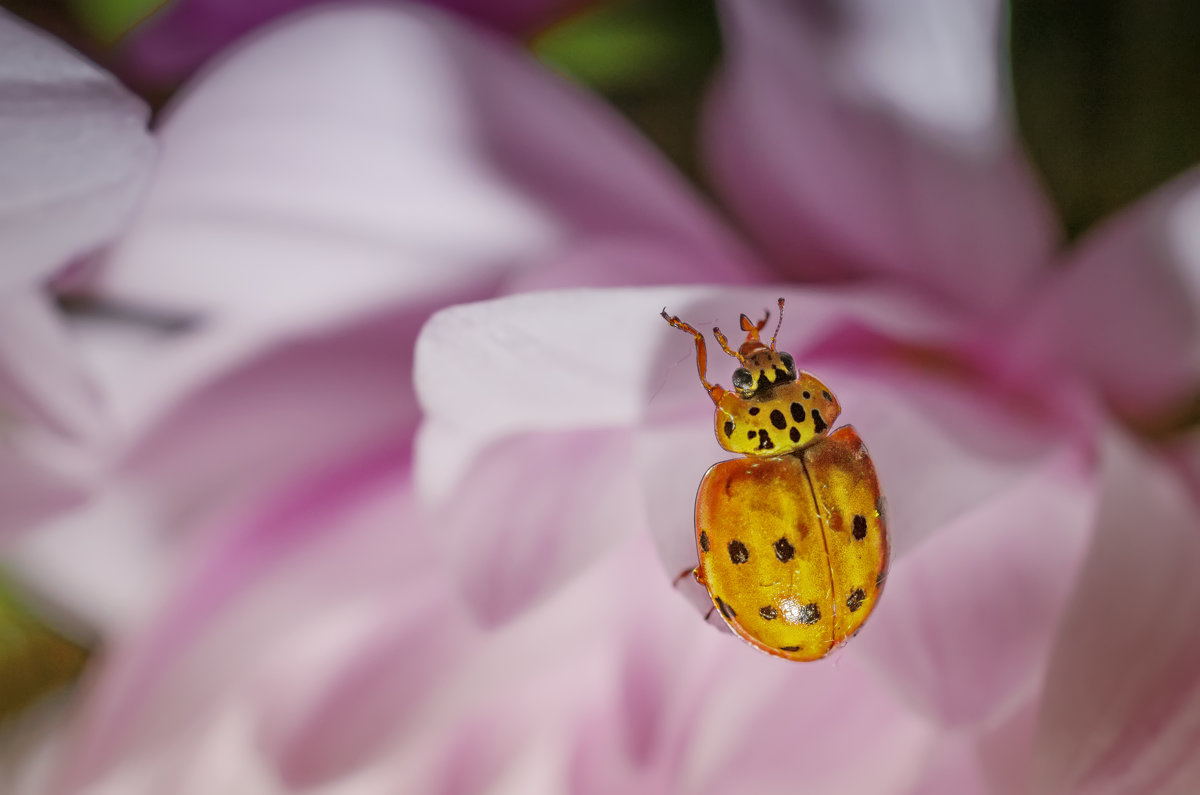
x,y
788,361
742,378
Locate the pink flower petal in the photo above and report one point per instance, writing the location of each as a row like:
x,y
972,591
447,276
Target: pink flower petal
x,y
353,159
967,619
74,153
50,422
614,361
185,33
1121,709
263,305
533,511
290,631
1125,309
873,138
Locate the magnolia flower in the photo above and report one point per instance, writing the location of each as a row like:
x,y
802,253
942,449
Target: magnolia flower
x,y
294,600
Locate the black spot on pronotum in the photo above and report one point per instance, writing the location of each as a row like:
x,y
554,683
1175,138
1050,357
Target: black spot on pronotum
x,y
753,410
826,395
810,613
729,427
781,375
703,541
819,424
768,613
777,419
855,599
738,552
784,550
725,609
860,527
764,441
794,434
798,412
789,648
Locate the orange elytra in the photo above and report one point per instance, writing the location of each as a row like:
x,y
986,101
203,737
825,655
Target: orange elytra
x,y
791,536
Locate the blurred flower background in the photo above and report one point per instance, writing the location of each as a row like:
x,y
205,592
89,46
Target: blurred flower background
x,y
342,448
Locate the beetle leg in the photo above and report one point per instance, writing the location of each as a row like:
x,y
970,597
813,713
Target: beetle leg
x,y
715,391
721,338
682,574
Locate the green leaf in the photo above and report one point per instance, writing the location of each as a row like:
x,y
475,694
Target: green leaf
x,y
109,20
34,659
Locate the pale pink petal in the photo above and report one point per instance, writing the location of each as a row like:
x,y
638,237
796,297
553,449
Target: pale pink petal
x,y
1121,704
185,33
814,727
593,414
954,769
968,617
74,153
1125,308
614,438
532,511
291,411
320,194
50,420
305,587
604,358
1005,746
355,158
873,138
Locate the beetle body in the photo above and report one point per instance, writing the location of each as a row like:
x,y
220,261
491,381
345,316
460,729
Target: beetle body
x,y
792,536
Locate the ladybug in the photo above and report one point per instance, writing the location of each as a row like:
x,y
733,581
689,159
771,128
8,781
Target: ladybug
x,y
791,536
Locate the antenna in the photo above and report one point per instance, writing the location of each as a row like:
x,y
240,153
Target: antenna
x,y
778,323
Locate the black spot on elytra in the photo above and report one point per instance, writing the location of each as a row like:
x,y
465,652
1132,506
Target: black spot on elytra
x,y
880,580
725,609
795,434
729,427
798,412
753,410
826,395
880,505
855,599
764,441
806,394
810,613
703,541
784,550
777,419
751,434
768,613
819,424
738,552
860,527
789,648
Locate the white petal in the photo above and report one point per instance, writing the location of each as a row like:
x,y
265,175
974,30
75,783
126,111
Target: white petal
x,y
74,153
601,358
